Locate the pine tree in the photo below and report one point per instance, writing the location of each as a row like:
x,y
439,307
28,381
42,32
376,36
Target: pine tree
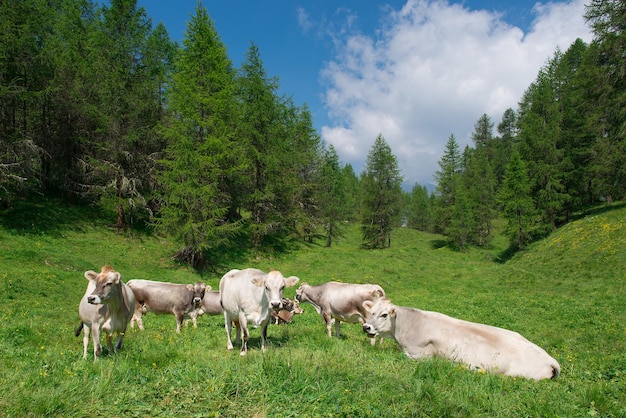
x,y
420,210
541,144
381,195
607,89
332,196
201,146
263,134
515,198
447,182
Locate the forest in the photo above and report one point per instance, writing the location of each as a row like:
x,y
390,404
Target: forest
x,y
100,107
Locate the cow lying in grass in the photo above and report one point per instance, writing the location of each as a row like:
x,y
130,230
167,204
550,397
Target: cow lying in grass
x,y
423,334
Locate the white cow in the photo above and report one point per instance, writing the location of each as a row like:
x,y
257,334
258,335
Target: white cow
x,y
337,302
247,297
423,334
108,305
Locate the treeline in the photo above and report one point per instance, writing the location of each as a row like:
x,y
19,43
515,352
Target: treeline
x,y
99,106
562,149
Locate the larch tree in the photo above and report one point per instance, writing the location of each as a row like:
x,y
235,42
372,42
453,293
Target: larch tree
x,y
201,145
382,195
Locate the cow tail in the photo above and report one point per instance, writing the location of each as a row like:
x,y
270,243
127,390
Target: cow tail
x,y
79,329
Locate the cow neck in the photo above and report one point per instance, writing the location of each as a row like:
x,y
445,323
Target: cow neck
x,y
317,307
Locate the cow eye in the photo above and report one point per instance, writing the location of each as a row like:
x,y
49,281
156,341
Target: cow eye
x,y
384,315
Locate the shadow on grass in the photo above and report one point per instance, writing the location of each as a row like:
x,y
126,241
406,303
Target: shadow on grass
x,y
439,243
50,216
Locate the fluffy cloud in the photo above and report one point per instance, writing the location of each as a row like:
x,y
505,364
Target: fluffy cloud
x,y
432,70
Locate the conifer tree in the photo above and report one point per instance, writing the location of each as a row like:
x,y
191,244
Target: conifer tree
x,y
332,196
447,184
201,147
517,203
381,195
420,210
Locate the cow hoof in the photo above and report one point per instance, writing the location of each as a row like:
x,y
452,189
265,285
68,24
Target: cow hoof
x,y
243,353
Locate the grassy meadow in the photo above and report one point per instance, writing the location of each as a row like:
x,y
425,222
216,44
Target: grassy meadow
x,y
567,293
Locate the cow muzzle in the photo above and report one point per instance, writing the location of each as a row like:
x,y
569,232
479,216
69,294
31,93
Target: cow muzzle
x,y
94,300
276,305
369,330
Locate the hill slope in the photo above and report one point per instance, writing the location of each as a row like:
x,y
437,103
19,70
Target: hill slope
x,y
565,293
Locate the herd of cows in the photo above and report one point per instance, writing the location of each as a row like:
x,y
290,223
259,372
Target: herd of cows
x,y
251,297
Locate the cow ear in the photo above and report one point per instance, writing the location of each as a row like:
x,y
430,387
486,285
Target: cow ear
x,y
377,293
207,288
291,281
258,281
189,287
368,305
91,275
392,312
117,278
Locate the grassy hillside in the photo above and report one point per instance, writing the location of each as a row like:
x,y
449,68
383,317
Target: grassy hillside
x,y
566,293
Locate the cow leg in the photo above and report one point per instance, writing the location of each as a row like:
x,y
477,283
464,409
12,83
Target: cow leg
x,y
119,341
264,335
97,346
179,321
243,324
337,325
329,324
86,331
227,325
110,342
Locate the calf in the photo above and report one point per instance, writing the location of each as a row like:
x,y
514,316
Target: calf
x,y
247,297
423,334
285,315
338,302
166,298
210,305
107,306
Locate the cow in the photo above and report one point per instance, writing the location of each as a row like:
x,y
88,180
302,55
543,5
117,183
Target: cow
x,y
422,334
210,305
247,296
107,306
166,298
337,302
285,315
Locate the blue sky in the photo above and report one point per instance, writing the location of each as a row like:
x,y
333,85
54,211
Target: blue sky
x,y
415,71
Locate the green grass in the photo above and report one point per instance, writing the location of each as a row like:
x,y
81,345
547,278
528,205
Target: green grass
x,y
566,293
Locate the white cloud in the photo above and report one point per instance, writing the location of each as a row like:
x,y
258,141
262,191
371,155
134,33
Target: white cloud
x,y
432,70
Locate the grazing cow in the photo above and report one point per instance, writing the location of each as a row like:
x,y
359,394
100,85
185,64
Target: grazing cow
x,y
285,315
247,297
210,305
340,302
166,298
107,306
423,334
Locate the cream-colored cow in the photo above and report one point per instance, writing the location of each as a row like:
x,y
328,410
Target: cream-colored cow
x,y
423,334
108,305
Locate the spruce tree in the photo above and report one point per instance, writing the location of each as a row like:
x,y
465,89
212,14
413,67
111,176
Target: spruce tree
x,y
517,203
381,195
332,196
201,146
447,184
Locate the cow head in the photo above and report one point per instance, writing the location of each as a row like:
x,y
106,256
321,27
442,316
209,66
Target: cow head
x,y
107,283
300,291
198,289
380,319
274,284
